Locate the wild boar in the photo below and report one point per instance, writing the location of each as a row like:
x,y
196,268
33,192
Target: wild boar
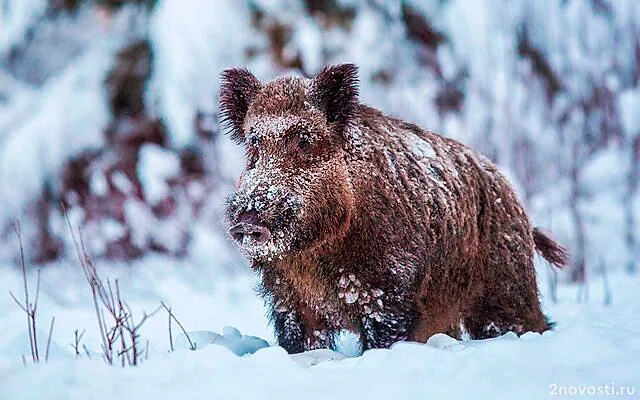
x,y
360,221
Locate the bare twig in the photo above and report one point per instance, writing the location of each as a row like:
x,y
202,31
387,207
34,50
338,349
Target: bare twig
x,y
86,351
192,345
46,354
90,274
18,302
26,306
35,303
146,316
30,309
133,331
76,342
121,313
33,316
124,351
119,337
171,348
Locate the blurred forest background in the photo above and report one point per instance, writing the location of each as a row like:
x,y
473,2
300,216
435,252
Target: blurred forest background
x,y
110,107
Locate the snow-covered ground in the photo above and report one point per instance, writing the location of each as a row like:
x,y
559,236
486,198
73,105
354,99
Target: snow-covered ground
x,y
592,346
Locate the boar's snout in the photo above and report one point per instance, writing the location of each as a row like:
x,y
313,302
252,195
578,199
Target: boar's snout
x,y
249,231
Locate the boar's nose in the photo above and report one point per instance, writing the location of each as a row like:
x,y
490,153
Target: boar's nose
x,y
248,230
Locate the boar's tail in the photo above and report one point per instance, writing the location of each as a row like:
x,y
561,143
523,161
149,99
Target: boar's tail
x,y
550,250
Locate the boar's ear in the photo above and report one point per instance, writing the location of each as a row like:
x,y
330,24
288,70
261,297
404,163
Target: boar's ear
x,y
238,89
335,91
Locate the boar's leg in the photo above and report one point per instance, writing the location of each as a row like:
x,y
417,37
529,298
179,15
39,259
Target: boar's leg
x,y
390,323
495,314
298,328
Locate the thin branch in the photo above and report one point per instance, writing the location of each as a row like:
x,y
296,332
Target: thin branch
x,y
86,351
16,228
18,303
121,311
124,351
91,275
108,350
171,348
46,354
35,303
192,345
76,342
146,316
33,316
121,338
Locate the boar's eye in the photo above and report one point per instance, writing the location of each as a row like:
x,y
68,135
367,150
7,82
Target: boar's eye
x,y
303,142
254,140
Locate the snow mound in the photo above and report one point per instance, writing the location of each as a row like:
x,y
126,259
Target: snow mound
x,y
231,339
314,357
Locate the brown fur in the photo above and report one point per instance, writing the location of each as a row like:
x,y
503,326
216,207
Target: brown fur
x,y
360,221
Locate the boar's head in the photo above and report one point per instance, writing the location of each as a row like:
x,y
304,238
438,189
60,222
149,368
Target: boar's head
x,y
295,193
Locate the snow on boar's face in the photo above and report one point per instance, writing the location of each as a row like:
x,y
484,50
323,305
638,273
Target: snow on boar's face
x,y
294,194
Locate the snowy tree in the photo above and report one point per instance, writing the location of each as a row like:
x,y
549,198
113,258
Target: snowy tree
x,y
548,89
